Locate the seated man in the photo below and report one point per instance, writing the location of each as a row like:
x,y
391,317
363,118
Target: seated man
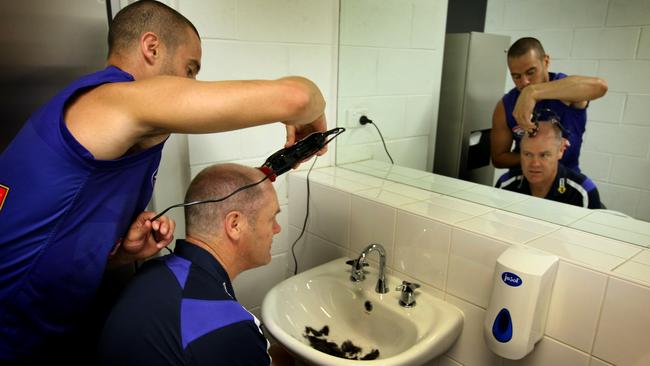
x,y
181,309
544,176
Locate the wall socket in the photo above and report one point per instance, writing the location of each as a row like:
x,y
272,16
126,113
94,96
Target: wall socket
x,y
353,116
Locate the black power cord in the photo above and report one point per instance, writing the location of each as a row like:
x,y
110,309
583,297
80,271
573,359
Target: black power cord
x,y
365,120
304,224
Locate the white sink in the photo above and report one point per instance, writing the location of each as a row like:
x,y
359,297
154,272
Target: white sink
x,y
325,296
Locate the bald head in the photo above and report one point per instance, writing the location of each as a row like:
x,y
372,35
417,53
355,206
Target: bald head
x,y
147,16
219,181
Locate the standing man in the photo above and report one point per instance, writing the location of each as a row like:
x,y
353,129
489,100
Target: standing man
x,y
77,177
181,309
536,88
544,176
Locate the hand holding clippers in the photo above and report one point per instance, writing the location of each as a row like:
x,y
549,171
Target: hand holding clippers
x,y
285,159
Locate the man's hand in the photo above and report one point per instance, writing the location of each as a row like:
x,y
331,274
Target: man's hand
x,y
524,107
144,239
297,133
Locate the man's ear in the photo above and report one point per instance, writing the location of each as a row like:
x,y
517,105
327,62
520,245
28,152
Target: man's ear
x,y
547,61
150,47
563,147
234,225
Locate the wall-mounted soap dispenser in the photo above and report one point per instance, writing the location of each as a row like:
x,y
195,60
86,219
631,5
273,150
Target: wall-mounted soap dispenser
x,y
516,316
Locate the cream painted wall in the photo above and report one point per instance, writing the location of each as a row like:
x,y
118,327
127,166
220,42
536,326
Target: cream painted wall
x,y
609,39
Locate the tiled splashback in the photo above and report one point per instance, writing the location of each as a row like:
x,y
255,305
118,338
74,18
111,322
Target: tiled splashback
x,y
600,306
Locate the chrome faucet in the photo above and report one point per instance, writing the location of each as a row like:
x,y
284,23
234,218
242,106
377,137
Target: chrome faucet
x,y
358,274
407,298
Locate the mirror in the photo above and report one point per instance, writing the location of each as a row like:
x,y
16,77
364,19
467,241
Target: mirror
x,y
390,67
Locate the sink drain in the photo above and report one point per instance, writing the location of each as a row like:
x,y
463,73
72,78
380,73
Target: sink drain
x,y
368,305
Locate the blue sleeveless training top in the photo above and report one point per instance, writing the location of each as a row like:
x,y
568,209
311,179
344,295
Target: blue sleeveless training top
x,y
63,212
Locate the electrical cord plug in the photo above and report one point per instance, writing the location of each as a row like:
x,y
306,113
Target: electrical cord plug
x,y
364,120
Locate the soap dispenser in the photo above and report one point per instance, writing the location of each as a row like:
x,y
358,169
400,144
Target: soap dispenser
x,y
516,315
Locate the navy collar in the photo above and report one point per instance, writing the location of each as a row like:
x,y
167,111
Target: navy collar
x,y
203,259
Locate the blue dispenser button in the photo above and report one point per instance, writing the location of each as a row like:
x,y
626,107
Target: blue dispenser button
x,y
502,327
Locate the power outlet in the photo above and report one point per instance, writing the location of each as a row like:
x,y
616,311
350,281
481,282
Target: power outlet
x,y
353,116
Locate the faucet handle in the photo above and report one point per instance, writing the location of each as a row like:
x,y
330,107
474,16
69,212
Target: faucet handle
x,y
407,286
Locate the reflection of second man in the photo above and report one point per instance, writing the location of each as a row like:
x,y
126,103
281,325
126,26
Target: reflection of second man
x,y
543,174
535,88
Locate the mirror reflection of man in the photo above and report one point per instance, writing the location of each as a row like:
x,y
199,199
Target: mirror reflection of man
x,y
543,174
536,88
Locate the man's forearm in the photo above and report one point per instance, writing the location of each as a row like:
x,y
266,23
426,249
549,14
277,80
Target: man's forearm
x,y
506,160
571,89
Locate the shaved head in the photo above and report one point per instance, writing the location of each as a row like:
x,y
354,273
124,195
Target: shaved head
x,y
147,16
219,181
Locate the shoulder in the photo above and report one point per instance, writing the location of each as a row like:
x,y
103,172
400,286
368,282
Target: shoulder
x,y
239,343
584,187
556,76
510,179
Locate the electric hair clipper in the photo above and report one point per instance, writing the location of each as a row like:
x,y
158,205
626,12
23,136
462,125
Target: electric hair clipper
x,y
284,159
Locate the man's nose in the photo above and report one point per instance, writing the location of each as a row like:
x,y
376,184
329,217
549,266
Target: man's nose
x,y
524,81
535,161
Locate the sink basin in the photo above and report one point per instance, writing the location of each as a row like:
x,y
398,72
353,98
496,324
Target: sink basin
x,y
353,311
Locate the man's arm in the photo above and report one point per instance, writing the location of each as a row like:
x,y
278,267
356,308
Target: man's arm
x,y
501,140
112,118
575,91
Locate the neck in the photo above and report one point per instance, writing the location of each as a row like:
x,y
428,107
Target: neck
x,y
125,64
222,256
541,189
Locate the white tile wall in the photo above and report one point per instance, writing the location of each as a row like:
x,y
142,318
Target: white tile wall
x,y
644,44
621,43
471,266
307,21
575,306
597,317
470,348
622,337
608,108
617,140
637,110
423,248
550,352
626,76
580,13
391,49
625,12
373,222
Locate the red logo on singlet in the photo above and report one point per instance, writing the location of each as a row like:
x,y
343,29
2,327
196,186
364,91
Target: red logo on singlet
x,y
4,191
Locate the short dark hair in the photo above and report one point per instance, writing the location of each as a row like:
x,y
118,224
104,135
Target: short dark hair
x,y
525,44
147,16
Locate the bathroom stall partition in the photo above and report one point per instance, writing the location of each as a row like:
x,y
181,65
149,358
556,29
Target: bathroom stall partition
x,y
473,80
